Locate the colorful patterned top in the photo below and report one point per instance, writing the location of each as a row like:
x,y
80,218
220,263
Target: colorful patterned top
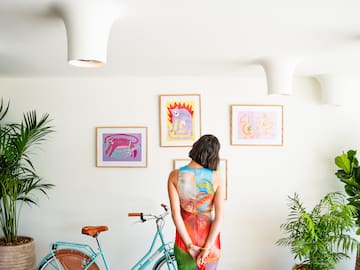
x,y
196,193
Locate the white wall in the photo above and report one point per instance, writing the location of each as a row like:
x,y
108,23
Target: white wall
x,y
260,178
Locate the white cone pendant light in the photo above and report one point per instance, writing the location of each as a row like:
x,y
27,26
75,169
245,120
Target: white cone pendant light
x,y
88,24
279,74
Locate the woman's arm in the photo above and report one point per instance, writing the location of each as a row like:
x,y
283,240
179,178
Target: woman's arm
x,y
215,226
176,214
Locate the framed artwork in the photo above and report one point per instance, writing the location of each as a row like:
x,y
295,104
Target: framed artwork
x,y
121,147
222,169
180,120
257,125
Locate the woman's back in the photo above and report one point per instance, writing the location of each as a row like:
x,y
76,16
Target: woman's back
x,y
196,190
196,200
196,193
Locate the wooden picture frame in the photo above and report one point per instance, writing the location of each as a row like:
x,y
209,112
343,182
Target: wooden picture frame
x,y
121,147
180,120
256,125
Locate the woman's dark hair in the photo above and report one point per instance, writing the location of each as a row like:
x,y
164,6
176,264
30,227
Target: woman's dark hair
x,y
205,151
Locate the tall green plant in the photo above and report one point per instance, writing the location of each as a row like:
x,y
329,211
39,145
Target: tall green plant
x,y
18,177
349,174
320,238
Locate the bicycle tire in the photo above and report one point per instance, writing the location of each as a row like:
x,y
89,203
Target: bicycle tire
x,y
69,259
161,263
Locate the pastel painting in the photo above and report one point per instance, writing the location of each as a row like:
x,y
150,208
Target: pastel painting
x,y
180,121
121,146
261,124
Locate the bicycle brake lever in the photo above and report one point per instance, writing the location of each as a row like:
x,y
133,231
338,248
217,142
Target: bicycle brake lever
x,y
164,206
142,217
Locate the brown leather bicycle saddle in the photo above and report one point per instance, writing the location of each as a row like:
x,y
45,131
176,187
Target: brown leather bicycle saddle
x,y
93,230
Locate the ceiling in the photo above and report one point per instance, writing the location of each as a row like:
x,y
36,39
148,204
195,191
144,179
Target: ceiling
x,y
188,38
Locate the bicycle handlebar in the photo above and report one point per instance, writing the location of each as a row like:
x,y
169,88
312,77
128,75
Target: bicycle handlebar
x,y
134,214
152,216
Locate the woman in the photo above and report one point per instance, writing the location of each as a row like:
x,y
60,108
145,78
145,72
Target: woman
x,y
196,200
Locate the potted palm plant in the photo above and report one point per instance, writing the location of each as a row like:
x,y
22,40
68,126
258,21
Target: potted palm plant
x,y
349,174
19,182
319,238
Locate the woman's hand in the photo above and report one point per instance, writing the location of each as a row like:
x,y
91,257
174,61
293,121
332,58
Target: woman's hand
x,y
203,254
194,251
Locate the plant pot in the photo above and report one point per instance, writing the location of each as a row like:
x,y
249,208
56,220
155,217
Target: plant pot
x,y
301,267
18,257
357,263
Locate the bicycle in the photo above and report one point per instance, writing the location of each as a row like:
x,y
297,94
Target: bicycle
x,y
76,256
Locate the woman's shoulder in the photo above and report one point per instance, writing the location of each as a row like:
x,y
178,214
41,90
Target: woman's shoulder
x,y
216,178
173,176
174,172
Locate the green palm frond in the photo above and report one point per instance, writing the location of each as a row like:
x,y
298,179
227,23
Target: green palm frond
x,y
19,180
3,109
323,236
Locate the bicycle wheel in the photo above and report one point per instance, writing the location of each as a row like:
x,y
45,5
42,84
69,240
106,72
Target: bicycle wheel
x,y
161,263
67,259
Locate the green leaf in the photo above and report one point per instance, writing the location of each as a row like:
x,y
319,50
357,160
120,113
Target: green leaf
x,y
343,162
350,190
323,236
357,174
18,177
351,155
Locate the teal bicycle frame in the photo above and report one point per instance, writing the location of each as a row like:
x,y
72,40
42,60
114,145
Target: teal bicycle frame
x,y
92,256
165,248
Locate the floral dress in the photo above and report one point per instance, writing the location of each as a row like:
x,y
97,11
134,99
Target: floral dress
x,y
196,193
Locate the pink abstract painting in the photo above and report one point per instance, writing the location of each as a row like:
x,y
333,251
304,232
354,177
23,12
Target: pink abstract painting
x,y
257,124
